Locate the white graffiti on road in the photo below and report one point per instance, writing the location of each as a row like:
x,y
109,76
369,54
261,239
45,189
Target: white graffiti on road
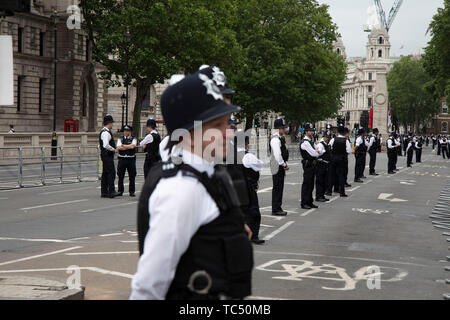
x,y
298,270
376,211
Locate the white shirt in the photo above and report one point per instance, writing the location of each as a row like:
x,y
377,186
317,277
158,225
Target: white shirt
x,y
106,137
348,146
320,148
307,147
417,145
275,144
442,141
148,139
250,161
409,146
390,143
178,207
163,152
11,131
360,140
119,143
371,141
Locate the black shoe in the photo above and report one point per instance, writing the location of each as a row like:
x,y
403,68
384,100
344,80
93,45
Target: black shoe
x,y
374,174
391,172
363,177
258,241
313,206
105,195
279,213
328,194
344,195
409,166
305,207
348,185
358,181
118,194
132,195
115,194
322,199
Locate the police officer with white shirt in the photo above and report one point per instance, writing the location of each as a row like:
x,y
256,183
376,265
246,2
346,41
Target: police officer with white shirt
x,y
340,149
309,155
374,145
127,159
418,145
361,147
108,149
391,152
191,233
444,147
150,145
278,165
409,152
323,163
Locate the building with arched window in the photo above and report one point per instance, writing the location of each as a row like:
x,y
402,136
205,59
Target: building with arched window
x,y
441,121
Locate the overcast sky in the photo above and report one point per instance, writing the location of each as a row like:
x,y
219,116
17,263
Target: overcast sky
x,y
408,29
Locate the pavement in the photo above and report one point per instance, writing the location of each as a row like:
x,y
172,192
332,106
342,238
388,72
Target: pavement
x,y
378,243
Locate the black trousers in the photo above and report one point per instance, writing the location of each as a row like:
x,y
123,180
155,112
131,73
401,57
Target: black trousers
x,y
372,161
391,161
418,155
254,215
395,159
438,149
108,174
321,180
434,144
410,154
127,164
360,164
346,170
277,190
445,152
333,180
338,166
309,172
147,166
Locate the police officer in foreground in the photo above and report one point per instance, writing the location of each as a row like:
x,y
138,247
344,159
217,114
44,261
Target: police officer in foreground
x,y
126,145
278,165
107,151
323,162
309,156
191,233
361,147
391,153
150,145
340,149
374,146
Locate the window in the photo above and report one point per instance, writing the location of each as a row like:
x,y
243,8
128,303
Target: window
x,y
146,102
380,53
41,94
19,93
84,101
41,43
444,107
19,40
369,102
370,88
380,40
372,51
370,75
444,126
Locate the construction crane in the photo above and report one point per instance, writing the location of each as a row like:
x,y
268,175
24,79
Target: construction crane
x,y
392,13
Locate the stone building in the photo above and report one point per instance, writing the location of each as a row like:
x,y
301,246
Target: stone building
x,y
365,84
441,122
80,94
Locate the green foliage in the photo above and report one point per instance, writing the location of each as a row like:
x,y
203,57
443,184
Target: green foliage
x,y
411,100
437,54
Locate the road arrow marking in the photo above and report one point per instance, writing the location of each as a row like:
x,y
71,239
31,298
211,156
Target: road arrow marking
x,y
385,196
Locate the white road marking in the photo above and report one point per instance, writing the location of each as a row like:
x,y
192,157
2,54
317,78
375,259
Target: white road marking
x,y
280,229
354,188
293,183
368,181
265,190
273,217
82,238
109,207
266,226
94,269
39,255
34,240
54,204
134,241
111,234
334,198
308,212
61,191
100,253
265,208
385,196
3,198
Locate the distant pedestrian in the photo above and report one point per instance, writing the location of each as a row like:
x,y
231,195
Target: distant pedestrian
x,y
11,129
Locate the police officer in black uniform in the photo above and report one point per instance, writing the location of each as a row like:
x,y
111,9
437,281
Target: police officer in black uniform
x,y
360,155
150,145
391,153
127,159
278,165
108,149
309,155
323,162
374,143
191,233
340,149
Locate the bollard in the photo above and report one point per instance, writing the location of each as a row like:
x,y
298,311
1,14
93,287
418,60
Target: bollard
x,y
43,166
19,171
79,164
61,166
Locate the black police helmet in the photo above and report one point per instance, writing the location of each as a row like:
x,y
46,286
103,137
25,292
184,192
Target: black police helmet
x,y
194,98
127,127
108,119
309,127
151,123
279,124
375,130
361,131
341,129
219,78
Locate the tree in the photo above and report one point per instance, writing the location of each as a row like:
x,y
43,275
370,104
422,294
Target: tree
x,y
289,64
437,53
411,101
166,37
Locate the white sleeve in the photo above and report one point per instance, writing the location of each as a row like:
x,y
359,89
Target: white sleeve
x,y
358,141
275,144
134,142
105,139
148,139
321,148
307,147
178,207
371,141
348,147
389,144
331,143
252,162
409,146
119,142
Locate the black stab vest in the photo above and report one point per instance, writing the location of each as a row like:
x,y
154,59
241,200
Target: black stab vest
x,y
130,153
220,248
152,149
327,155
392,151
284,150
362,148
339,146
375,145
304,153
112,143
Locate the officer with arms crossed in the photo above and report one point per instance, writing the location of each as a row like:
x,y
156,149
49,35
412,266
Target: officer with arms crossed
x,y
340,149
150,145
361,146
278,166
374,145
191,234
127,159
323,163
108,149
309,156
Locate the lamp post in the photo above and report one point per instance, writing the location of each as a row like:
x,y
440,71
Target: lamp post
x,y
127,36
55,17
123,98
